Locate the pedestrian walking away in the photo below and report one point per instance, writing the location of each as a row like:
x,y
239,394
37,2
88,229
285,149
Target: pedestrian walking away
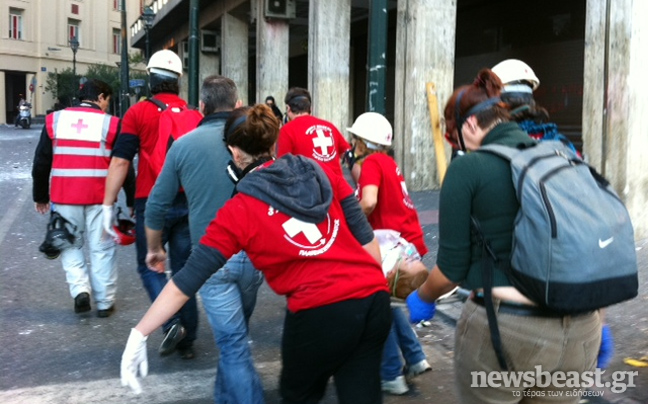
x,y
197,162
139,136
74,148
309,136
302,226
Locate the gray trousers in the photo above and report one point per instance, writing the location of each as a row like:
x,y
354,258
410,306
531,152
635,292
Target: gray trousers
x,y
567,344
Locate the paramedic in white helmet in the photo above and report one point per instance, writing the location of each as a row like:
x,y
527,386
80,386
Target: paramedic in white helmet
x,y
386,203
520,81
139,134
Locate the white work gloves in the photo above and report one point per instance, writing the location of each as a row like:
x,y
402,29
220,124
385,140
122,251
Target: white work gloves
x,y
134,359
109,220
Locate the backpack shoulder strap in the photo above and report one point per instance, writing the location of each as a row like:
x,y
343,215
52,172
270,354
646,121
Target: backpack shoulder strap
x,y
489,260
158,103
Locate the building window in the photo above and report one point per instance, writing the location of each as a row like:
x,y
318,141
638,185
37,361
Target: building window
x,y
73,30
116,37
75,9
116,5
15,24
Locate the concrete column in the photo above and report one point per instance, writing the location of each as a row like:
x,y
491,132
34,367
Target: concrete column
x,y
209,65
272,47
234,53
3,100
425,52
615,100
328,59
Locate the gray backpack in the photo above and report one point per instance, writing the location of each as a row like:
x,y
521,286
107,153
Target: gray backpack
x,y
573,245
573,242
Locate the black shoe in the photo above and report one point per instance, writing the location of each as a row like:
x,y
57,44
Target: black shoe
x,y
171,339
186,352
82,303
106,312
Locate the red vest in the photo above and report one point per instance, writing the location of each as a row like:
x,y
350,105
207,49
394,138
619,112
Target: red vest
x,y
82,140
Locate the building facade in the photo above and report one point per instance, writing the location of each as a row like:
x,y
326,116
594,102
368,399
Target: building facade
x,y
35,40
590,56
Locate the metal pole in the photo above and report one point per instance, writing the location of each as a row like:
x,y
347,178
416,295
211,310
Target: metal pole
x,y
74,66
147,89
148,47
377,56
125,102
193,52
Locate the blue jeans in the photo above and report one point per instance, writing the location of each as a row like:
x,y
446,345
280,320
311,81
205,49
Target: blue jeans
x,y
229,297
401,339
176,234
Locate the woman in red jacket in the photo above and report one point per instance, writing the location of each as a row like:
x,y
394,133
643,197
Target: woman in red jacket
x,y
302,227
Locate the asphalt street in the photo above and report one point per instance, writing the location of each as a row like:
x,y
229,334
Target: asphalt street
x,y
52,355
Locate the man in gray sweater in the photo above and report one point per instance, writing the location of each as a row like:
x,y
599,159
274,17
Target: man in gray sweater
x,y
198,162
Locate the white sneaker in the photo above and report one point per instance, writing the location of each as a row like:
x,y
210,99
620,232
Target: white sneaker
x,y
418,368
398,386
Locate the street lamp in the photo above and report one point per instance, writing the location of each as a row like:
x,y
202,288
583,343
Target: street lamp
x,y
74,45
148,16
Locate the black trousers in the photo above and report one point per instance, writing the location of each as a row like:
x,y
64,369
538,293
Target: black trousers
x,y
344,340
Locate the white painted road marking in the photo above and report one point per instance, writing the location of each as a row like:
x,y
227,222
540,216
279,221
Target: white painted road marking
x,y
156,388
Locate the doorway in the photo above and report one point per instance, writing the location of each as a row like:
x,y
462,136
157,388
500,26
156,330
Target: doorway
x,y
15,85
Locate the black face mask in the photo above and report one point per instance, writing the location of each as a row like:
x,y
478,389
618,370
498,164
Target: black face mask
x,y
460,120
235,174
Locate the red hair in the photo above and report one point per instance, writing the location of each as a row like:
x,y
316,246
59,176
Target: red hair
x,y
486,86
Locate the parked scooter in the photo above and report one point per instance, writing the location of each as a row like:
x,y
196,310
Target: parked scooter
x,y
24,115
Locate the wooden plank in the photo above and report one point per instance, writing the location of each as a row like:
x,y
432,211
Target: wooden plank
x,y
437,136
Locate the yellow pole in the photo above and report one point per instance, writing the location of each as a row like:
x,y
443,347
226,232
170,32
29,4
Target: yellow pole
x,y
435,121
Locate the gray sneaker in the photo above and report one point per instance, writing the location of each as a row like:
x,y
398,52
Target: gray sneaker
x,y
171,339
397,387
417,369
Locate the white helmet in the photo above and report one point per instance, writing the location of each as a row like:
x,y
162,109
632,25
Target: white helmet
x,y
165,63
373,127
513,70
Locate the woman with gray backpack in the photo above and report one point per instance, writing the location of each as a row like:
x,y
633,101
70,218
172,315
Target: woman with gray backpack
x,y
521,316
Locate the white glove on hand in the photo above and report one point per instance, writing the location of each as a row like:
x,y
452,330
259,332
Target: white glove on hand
x,y
109,220
134,358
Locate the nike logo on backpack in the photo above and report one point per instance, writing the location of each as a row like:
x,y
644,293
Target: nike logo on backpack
x,y
605,243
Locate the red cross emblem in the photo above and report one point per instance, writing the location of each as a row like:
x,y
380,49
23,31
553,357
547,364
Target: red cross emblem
x,y
79,126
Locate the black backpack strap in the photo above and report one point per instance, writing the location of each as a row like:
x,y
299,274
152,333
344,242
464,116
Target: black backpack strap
x,y
157,102
488,261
